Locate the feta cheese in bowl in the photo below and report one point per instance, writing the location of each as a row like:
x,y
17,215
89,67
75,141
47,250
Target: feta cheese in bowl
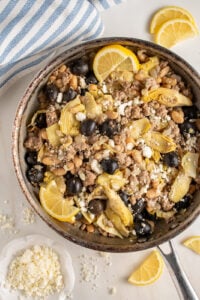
x,y
35,267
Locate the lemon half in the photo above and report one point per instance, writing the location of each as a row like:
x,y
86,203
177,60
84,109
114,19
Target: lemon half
x,y
110,57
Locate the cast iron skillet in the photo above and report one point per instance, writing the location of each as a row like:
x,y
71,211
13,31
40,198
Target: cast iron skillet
x,y
163,231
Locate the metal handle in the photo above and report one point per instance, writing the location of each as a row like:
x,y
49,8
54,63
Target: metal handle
x,y
183,286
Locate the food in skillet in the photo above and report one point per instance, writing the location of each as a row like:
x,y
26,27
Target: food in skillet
x,y
114,143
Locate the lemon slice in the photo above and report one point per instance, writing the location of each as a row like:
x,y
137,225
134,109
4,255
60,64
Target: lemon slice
x,y
149,271
174,31
168,13
193,243
55,204
110,57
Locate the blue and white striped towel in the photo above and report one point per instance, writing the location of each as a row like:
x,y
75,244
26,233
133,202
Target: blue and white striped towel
x,y
32,30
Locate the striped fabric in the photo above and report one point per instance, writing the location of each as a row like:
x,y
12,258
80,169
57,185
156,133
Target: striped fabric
x,y
32,30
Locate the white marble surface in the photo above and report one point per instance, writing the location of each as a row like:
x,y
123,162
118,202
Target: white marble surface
x,y
128,19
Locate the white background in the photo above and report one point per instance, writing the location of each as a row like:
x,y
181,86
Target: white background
x,y
128,19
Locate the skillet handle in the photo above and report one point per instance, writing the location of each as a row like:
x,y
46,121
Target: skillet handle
x,y
183,286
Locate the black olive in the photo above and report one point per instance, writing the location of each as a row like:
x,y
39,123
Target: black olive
x,y
68,175
124,196
80,67
139,206
138,217
190,112
88,127
109,165
35,174
171,159
51,92
79,216
108,128
96,206
69,95
188,128
31,158
83,92
74,185
183,203
41,121
142,228
91,78
146,215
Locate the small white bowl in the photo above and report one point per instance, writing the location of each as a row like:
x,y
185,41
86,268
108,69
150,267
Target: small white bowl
x,y
17,245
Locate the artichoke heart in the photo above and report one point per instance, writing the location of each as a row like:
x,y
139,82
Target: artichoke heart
x,y
88,217
179,187
117,222
164,214
118,207
159,142
115,181
150,64
168,97
190,163
52,134
103,223
68,123
96,193
92,108
139,127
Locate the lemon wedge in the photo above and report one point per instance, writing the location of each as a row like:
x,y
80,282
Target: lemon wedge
x,y
174,31
110,58
193,243
54,203
149,271
168,13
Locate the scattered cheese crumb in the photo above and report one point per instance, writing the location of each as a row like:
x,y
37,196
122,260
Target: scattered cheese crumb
x,y
80,116
36,272
146,151
112,290
28,216
104,88
88,271
7,223
122,107
129,146
96,167
59,98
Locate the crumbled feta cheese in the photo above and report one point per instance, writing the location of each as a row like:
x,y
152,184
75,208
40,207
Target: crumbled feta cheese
x,y
104,88
129,146
59,98
117,103
80,116
137,101
82,175
140,141
167,118
96,167
36,272
122,107
82,82
146,151
106,153
111,143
